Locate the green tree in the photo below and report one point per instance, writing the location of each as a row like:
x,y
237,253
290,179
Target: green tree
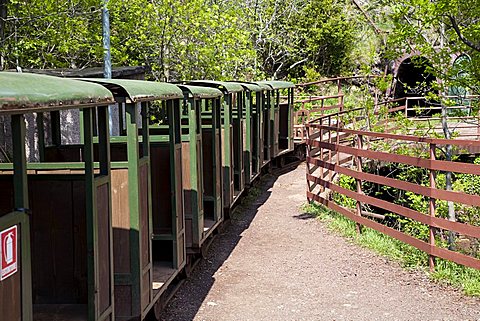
x,y
294,36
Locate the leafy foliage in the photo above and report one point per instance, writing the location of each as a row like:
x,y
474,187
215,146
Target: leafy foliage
x,y
302,36
177,40
439,30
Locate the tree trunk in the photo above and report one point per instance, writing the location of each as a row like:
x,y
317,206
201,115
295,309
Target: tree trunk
x,y
3,17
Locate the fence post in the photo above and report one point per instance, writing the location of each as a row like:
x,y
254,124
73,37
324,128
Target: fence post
x,y
330,175
431,258
359,181
322,188
307,151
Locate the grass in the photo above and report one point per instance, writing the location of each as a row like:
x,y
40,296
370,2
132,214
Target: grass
x,y
465,278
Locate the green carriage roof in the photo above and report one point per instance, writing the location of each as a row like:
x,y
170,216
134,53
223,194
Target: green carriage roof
x,y
263,85
224,86
249,85
139,90
200,92
24,92
276,84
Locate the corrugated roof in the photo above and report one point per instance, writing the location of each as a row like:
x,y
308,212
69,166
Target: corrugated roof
x,y
224,86
249,86
200,92
24,92
276,84
139,90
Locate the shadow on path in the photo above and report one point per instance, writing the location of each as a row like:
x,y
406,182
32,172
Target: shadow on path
x,y
187,301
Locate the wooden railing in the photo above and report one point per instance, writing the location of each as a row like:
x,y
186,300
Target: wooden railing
x,y
319,105
334,149
303,115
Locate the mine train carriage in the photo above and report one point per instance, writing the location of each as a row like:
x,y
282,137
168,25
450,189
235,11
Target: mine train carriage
x,y
124,183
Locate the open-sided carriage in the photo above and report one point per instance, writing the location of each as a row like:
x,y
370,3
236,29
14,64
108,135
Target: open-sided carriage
x,y
59,208
201,163
147,202
231,138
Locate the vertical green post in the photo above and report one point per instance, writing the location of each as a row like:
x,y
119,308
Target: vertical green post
x,y
227,103
195,123
91,218
20,187
104,159
217,211
248,129
134,205
290,119
20,184
172,128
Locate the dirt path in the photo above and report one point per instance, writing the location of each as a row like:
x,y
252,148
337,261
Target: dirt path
x,y
273,263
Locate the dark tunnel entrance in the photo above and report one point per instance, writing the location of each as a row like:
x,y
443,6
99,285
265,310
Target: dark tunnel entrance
x,y
414,80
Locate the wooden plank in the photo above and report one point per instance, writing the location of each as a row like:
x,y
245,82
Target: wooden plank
x,y
144,217
104,255
161,187
120,220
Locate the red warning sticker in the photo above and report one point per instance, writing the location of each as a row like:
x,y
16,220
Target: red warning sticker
x,y
8,252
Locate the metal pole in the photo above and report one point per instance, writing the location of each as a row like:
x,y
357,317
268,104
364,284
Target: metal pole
x,y
107,61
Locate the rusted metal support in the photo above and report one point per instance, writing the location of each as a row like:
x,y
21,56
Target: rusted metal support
x,y
330,156
358,160
431,258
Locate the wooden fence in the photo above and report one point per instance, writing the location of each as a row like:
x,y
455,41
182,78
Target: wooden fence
x,y
334,149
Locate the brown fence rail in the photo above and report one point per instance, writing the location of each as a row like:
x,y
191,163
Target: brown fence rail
x,y
333,149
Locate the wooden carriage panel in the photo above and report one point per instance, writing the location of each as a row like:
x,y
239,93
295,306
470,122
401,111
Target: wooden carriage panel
x,y
199,187
237,149
80,245
144,236
189,232
276,131
123,300
178,186
283,142
11,289
144,231
120,220
161,191
146,282
104,255
55,234
180,249
218,155
237,144
227,170
208,182
266,135
186,179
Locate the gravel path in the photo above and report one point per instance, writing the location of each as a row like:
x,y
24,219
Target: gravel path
x,y
273,263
